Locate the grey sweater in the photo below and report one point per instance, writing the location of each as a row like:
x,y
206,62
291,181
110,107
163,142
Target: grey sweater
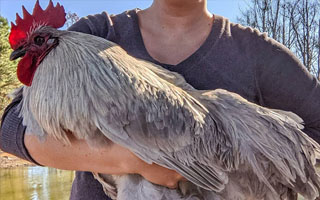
x,y
233,57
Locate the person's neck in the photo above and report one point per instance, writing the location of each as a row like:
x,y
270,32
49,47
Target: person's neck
x,y
178,14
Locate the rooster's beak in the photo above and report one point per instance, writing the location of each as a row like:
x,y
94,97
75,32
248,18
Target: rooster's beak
x,y
17,54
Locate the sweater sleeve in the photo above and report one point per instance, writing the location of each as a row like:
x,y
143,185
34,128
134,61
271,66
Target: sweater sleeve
x,y
285,84
12,131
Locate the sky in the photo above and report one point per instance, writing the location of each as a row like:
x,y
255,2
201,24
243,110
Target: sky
x,y
9,8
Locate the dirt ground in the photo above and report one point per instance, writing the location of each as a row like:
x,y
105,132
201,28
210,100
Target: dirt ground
x,y
9,161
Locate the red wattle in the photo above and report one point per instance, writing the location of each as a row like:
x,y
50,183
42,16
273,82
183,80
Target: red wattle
x,y
26,69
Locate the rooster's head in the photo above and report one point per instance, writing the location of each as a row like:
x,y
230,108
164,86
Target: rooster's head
x,y
32,40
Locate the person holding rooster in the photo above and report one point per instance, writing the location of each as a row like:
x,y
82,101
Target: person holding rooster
x,y
208,50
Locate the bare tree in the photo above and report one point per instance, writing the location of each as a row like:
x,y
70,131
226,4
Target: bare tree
x,y
287,36
71,18
263,15
295,23
304,22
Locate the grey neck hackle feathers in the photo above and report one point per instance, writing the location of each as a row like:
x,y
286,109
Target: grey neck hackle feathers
x,y
227,147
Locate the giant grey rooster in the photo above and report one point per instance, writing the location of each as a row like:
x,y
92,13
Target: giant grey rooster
x,y
227,147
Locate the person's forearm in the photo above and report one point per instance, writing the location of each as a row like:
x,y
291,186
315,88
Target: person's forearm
x,y
112,159
79,155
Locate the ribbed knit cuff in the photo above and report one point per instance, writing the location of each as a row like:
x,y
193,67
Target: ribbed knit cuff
x,y
12,132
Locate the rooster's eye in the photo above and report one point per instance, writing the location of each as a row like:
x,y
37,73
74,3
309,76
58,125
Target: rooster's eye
x,y
39,40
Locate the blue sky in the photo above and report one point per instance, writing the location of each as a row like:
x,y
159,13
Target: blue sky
x,y
9,8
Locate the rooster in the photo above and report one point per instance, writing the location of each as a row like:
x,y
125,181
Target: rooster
x,y
227,147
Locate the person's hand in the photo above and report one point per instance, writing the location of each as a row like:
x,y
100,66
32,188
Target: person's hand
x,y
151,172
161,176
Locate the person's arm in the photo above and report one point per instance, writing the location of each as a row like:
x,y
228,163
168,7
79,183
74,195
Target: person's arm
x,y
284,83
112,159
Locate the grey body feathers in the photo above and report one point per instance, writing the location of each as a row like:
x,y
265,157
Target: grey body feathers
x,y
226,146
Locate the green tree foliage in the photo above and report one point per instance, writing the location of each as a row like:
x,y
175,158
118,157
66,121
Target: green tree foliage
x,y
8,77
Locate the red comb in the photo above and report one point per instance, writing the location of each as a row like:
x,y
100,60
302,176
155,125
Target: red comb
x,y
53,16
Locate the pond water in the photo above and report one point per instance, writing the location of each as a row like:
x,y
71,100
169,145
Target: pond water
x,y
35,183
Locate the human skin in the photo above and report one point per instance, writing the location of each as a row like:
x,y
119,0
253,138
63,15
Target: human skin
x,y
170,31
